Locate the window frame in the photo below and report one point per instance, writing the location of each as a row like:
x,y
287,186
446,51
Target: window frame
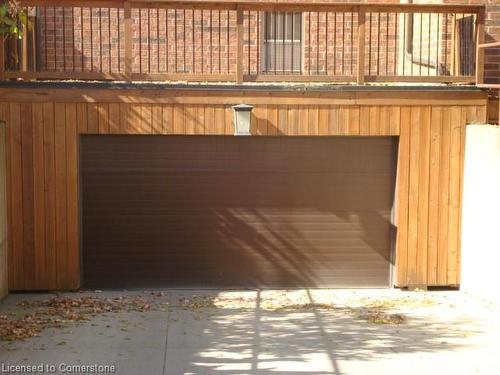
x,y
263,42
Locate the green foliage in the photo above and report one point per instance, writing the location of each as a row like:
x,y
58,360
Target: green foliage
x,y
11,16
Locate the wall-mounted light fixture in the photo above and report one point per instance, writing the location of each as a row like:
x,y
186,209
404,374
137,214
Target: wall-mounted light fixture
x,y
241,119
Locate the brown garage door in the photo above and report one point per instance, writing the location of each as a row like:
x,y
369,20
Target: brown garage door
x,y
209,211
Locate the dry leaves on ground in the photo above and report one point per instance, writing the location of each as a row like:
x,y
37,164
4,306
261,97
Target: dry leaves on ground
x,y
393,303
388,310
376,311
196,302
62,310
301,307
381,317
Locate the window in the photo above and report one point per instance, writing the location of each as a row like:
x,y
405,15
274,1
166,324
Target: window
x,y
282,42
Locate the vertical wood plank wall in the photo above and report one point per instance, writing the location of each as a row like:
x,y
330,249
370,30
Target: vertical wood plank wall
x,y
42,169
4,282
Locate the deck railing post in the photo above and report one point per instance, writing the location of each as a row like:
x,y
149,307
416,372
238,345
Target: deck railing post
x,y
454,51
24,46
239,45
128,39
361,46
480,51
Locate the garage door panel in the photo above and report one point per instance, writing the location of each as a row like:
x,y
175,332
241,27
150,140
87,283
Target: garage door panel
x,y
207,176
123,235
332,266
178,231
341,220
169,236
285,158
236,212
339,199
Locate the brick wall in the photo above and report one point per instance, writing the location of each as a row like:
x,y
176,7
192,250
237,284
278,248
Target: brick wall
x,y
84,39
492,29
492,59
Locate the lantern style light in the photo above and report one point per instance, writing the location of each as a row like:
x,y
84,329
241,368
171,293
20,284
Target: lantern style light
x,y
241,119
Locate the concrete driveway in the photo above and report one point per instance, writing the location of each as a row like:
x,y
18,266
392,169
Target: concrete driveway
x,y
272,332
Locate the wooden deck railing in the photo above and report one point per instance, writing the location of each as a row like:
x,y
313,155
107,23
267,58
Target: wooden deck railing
x,y
245,41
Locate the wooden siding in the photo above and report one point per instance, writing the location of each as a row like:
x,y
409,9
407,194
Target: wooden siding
x,y
493,110
42,166
4,282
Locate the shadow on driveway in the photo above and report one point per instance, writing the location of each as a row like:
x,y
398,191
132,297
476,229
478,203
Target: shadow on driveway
x,y
271,332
